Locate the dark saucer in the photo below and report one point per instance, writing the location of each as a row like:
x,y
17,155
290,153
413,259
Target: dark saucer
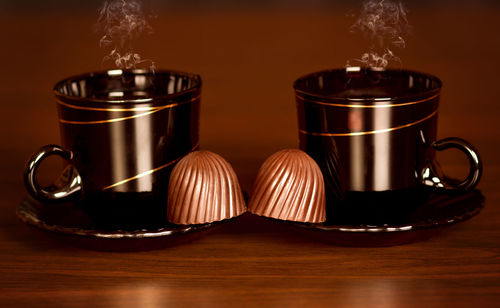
x,y
70,222
395,224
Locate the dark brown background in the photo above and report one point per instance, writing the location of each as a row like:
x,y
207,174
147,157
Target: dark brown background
x,y
248,56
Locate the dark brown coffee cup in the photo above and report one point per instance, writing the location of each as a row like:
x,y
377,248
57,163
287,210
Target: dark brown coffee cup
x,y
375,131
121,132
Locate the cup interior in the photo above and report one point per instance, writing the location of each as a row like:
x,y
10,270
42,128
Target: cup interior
x,y
128,85
366,84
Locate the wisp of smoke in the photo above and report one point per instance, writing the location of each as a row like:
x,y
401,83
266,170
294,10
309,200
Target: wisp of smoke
x,y
384,24
121,23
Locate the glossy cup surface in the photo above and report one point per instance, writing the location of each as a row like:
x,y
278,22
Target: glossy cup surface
x,y
126,130
369,131
126,127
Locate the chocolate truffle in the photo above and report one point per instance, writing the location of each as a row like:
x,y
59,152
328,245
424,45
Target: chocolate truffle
x,y
289,186
203,188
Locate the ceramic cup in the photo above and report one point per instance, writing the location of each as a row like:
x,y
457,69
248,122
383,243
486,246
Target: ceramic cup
x,y
375,131
121,133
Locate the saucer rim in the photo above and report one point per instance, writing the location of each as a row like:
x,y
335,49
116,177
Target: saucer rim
x,y
31,219
388,228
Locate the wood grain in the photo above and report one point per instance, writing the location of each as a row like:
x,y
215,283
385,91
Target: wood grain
x,y
248,61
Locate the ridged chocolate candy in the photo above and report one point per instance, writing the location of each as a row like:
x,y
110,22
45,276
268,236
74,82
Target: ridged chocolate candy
x,y
289,186
203,188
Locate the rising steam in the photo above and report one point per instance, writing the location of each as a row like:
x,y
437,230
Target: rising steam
x,y
121,22
384,25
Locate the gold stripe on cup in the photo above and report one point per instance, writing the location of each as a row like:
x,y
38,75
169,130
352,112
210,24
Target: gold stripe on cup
x,y
378,131
104,109
143,174
151,111
368,106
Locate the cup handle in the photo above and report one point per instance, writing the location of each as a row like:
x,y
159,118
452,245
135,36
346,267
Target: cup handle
x,y
432,175
70,179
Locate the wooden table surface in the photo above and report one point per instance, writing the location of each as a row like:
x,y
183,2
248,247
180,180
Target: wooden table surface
x,y
248,61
